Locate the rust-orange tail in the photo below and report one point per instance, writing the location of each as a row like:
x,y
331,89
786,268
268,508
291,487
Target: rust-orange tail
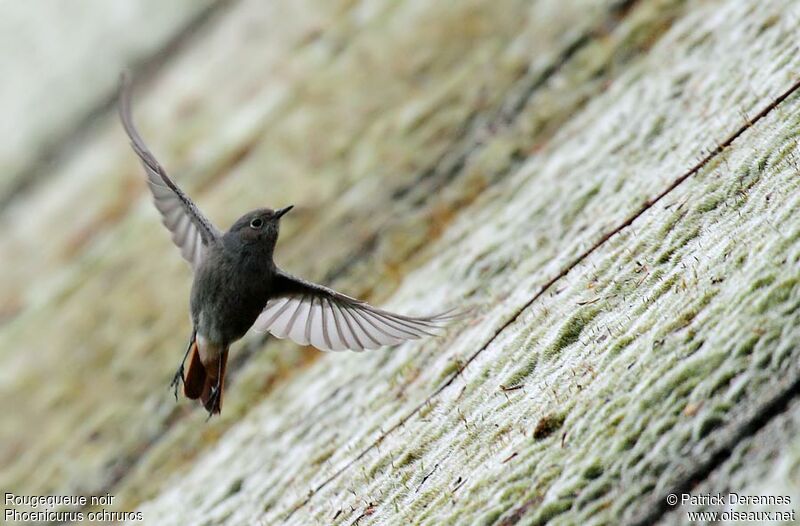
x,y
214,372
195,376
201,379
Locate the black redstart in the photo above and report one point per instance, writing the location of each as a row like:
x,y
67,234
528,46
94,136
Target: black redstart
x,y
237,286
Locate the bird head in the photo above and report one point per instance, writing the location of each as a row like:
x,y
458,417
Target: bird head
x,y
257,229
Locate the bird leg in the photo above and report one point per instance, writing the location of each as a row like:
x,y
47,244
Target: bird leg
x,y
179,378
213,401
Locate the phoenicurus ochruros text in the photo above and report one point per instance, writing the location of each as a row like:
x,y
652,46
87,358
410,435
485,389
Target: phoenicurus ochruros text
x,y
238,286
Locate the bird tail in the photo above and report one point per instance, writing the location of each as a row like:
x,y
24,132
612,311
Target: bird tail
x,y
215,372
195,376
202,378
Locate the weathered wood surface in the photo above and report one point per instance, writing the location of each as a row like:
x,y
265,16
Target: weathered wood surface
x,y
440,154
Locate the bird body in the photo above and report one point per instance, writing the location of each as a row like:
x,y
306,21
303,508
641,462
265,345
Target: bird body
x,y
231,285
237,286
230,288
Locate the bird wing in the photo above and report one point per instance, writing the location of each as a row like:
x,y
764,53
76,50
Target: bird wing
x,y
191,231
311,314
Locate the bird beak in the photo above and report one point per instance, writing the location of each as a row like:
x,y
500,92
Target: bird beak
x,y
281,212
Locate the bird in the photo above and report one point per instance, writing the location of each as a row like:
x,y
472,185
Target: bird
x,y
237,286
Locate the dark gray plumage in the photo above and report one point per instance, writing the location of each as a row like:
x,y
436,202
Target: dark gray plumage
x,y
238,286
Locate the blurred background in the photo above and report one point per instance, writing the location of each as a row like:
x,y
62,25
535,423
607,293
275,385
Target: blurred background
x,y
438,155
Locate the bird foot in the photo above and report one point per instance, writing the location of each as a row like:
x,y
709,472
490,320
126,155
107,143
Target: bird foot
x,y
176,382
212,406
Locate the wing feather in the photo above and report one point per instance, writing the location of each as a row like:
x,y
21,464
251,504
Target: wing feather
x,y
289,325
273,310
338,323
369,341
403,327
373,331
314,315
315,332
349,330
327,319
387,328
191,231
280,326
297,330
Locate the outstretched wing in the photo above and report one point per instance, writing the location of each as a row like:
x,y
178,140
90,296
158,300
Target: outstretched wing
x,y
191,231
311,314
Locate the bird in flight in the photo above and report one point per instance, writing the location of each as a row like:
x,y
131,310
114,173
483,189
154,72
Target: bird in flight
x,y
237,286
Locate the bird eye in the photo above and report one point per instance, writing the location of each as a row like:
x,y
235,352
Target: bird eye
x,y
257,223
